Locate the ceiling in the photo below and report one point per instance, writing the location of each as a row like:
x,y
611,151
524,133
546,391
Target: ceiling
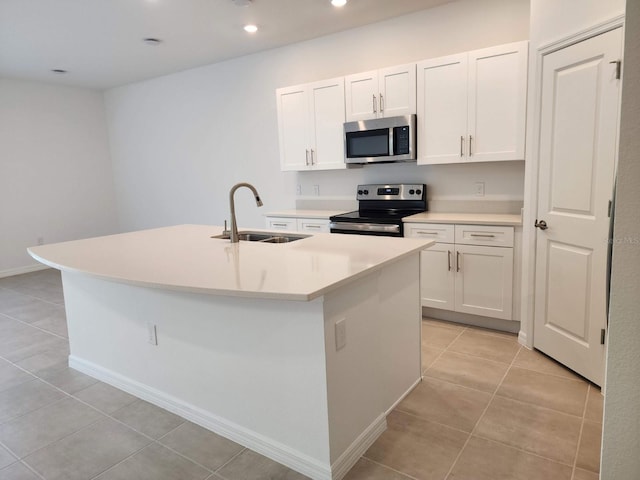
x,y
100,42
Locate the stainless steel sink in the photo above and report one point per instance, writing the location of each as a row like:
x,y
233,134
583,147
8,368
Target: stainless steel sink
x,y
264,237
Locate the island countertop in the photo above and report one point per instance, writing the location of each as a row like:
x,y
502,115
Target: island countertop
x,y
185,258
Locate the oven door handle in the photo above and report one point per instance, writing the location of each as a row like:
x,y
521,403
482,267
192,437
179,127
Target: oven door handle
x,y
365,227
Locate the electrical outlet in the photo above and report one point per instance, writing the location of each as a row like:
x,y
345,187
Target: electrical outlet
x,y
316,190
152,334
479,189
299,189
341,333
40,240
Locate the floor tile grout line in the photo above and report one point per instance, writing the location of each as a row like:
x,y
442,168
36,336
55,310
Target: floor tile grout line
x,y
550,374
538,406
36,327
404,474
584,413
520,449
110,467
217,470
482,414
410,414
31,469
13,290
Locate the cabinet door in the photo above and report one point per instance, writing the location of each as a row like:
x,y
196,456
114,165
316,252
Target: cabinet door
x,y
484,281
293,127
361,96
327,109
397,90
497,102
437,276
442,110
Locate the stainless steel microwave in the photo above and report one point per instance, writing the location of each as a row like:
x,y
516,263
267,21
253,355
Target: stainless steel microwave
x,y
381,140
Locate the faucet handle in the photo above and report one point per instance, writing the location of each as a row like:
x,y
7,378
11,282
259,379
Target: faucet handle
x,y
226,230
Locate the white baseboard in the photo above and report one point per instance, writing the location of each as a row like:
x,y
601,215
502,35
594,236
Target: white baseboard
x,y
20,270
522,339
259,443
360,445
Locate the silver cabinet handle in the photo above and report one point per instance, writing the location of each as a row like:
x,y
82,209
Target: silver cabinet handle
x,y
306,160
457,261
279,225
313,226
422,232
381,103
462,145
470,145
449,260
312,156
482,235
375,106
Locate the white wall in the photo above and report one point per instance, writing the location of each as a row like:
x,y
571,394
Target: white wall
x,y
55,171
180,142
621,431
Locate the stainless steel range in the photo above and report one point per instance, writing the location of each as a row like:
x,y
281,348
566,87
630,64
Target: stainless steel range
x,y
381,209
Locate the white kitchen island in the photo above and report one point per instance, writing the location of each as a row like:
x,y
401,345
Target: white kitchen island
x,y
295,350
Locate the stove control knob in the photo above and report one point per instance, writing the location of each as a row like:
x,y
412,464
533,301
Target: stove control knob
x,y
359,192
418,192
411,192
366,192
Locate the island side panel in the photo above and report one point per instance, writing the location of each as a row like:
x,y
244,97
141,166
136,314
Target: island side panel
x,y
252,370
380,361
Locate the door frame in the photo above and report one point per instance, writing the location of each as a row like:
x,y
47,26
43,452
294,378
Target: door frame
x,y
532,163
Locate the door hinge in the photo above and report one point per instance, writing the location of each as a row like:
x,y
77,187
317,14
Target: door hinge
x,y
609,209
618,68
602,335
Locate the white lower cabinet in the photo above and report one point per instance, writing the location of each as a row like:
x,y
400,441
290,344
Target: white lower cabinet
x,y
469,269
293,224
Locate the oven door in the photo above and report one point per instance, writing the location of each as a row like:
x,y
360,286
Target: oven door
x,y
363,228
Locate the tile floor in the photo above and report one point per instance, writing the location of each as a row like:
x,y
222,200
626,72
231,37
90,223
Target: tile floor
x,y
487,409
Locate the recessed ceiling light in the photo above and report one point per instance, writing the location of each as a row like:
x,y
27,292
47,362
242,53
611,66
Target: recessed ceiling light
x,y
338,3
250,28
152,41
59,71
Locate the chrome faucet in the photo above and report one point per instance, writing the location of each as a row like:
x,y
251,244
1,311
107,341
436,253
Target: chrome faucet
x,y
232,205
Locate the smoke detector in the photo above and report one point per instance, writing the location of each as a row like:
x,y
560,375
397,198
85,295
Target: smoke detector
x,y
241,3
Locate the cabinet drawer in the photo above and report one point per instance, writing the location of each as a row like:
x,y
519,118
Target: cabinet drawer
x,y
313,225
484,235
442,233
282,223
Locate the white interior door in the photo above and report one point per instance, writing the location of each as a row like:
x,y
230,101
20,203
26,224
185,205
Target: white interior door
x,y
577,151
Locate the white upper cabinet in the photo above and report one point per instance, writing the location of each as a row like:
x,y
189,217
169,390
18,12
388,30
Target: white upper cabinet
x,y
388,92
471,107
310,119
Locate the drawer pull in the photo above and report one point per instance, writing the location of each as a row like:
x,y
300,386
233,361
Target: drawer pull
x,y
279,225
422,232
313,226
482,235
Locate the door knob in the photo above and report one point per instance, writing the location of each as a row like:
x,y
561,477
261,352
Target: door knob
x,y
542,225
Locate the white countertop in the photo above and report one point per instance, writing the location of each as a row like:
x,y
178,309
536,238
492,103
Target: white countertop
x,y
296,213
185,258
465,218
